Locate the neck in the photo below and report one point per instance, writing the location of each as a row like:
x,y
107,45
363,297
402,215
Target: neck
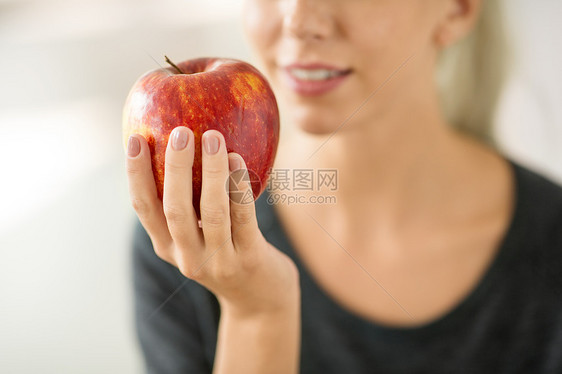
x,y
392,168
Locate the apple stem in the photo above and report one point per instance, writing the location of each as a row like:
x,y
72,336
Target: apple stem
x,y
174,65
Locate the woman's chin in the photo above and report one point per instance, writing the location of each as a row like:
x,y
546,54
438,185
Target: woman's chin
x,y
315,129
314,124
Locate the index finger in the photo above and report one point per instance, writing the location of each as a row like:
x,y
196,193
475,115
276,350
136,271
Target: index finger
x,y
142,190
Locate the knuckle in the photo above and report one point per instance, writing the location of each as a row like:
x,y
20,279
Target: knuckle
x,y
211,171
175,213
141,206
242,215
160,252
163,253
224,274
134,169
174,167
214,216
190,271
247,240
196,274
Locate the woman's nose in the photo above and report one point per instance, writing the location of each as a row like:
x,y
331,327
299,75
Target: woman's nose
x,y
307,19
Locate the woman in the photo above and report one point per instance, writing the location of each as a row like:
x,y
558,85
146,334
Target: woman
x,y
439,254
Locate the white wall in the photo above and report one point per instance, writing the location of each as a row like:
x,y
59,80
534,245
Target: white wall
x,y
65,221
65,69
530,119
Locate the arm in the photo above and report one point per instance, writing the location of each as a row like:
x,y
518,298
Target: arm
x,y
259,344
256,285
270,340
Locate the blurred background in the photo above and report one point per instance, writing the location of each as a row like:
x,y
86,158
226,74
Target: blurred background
x,y
65,222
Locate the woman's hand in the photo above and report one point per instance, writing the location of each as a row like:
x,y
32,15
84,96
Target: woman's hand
x,y
228,254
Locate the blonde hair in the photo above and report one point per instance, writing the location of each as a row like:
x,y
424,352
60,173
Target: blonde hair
x,y
471,75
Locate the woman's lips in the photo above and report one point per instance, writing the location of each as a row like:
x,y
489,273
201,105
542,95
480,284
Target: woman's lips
x,y
314,79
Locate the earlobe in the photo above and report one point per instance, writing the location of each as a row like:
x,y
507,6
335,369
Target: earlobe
x,y
449,16
444,34
458,21
443,37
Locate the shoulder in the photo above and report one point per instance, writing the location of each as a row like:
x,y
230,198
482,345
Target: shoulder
x,y
540,201
538,222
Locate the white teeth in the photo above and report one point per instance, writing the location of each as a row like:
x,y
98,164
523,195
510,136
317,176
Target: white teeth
x,y
314,75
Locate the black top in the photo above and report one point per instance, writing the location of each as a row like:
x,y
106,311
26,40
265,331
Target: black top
x,y
511,321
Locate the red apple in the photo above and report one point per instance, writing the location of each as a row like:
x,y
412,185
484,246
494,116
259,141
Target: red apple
x,y
227,95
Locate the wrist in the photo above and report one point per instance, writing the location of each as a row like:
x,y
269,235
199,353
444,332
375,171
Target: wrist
x,y
285,305
284,302
245,314
265,298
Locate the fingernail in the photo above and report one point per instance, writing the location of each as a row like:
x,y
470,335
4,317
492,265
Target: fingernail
x,y
234,163
211,143
179,139
133,148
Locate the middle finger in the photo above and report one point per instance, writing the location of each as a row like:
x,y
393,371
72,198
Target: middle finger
x,y
178,191
215,207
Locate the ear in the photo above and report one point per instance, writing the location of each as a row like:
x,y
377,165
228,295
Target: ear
x,y
457,21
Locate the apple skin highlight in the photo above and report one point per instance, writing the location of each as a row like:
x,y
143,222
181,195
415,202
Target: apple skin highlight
x,y
227,95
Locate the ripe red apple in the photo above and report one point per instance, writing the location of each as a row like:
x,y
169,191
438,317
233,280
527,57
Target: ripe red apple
x,y
227,95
